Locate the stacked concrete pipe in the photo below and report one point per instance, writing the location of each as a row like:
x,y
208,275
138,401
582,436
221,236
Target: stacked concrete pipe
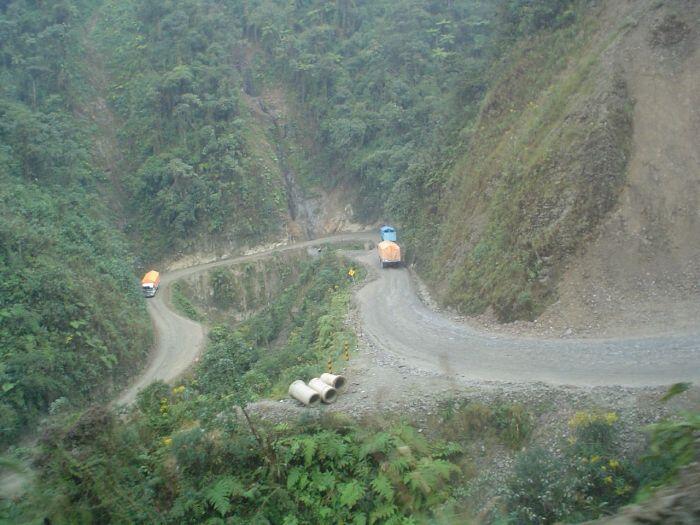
x,y
302,392
337,382
327,392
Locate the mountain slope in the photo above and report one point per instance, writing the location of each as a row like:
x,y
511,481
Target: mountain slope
x,y
72,322
647,253
579,179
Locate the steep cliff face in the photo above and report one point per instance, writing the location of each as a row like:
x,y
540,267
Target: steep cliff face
x,y
642,270
579,180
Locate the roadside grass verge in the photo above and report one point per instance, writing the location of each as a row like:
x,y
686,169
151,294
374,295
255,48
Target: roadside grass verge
x,y
182,303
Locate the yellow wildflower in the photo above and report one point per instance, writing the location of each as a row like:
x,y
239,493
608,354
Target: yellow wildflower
x,y
614,463
611,417
608,480
167,441
179,389
595,459
623,490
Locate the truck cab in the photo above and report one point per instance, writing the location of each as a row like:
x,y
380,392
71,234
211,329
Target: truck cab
x,y
150,283
387,233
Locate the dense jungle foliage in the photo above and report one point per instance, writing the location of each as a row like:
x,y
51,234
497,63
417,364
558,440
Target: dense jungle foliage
x,y
197,168
71,319
427,111
387,94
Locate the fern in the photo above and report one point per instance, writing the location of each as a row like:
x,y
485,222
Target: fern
x,y
309,446
397,466
220,493
408,436
351,493
331,446
448,450
429,474
380,442
323,481
382,487
290,519
297,479
359,519
382,512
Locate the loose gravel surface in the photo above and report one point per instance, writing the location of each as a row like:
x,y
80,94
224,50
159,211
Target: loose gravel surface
x,y
396,320
430,347
430,351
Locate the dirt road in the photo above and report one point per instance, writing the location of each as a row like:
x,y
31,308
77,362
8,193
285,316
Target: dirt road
x,y
394,318
180,340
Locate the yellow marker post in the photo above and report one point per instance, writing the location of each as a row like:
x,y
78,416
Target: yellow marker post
x,y
330,365
346,351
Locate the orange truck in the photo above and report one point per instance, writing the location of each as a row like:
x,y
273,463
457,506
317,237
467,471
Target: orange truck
x,y
150,283
389,253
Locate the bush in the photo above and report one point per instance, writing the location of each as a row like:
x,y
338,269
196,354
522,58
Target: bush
x,y
510,424
587,480
540,491
514,425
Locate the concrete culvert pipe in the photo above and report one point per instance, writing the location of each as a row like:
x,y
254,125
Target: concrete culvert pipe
x,y
337,382
328,393
302,392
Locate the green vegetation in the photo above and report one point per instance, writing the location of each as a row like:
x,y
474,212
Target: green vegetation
x,y
589,478
196,170
182,304
164,467
72,322
293,337
509,424
541,164
460,127
195,453
373,83
235,292
459,117
490,130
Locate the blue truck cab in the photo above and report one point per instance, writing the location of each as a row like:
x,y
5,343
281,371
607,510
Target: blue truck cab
x,y
387,233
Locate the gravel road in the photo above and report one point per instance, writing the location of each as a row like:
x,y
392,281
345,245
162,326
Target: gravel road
x,y
179,340
395,320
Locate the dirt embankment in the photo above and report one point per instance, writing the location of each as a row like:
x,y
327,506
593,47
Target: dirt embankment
x,y
641,273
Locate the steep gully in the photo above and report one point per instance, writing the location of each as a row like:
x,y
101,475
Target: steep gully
x,y
394,318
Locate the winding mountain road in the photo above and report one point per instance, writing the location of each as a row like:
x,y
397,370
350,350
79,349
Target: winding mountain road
x,y
180,340
394,318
